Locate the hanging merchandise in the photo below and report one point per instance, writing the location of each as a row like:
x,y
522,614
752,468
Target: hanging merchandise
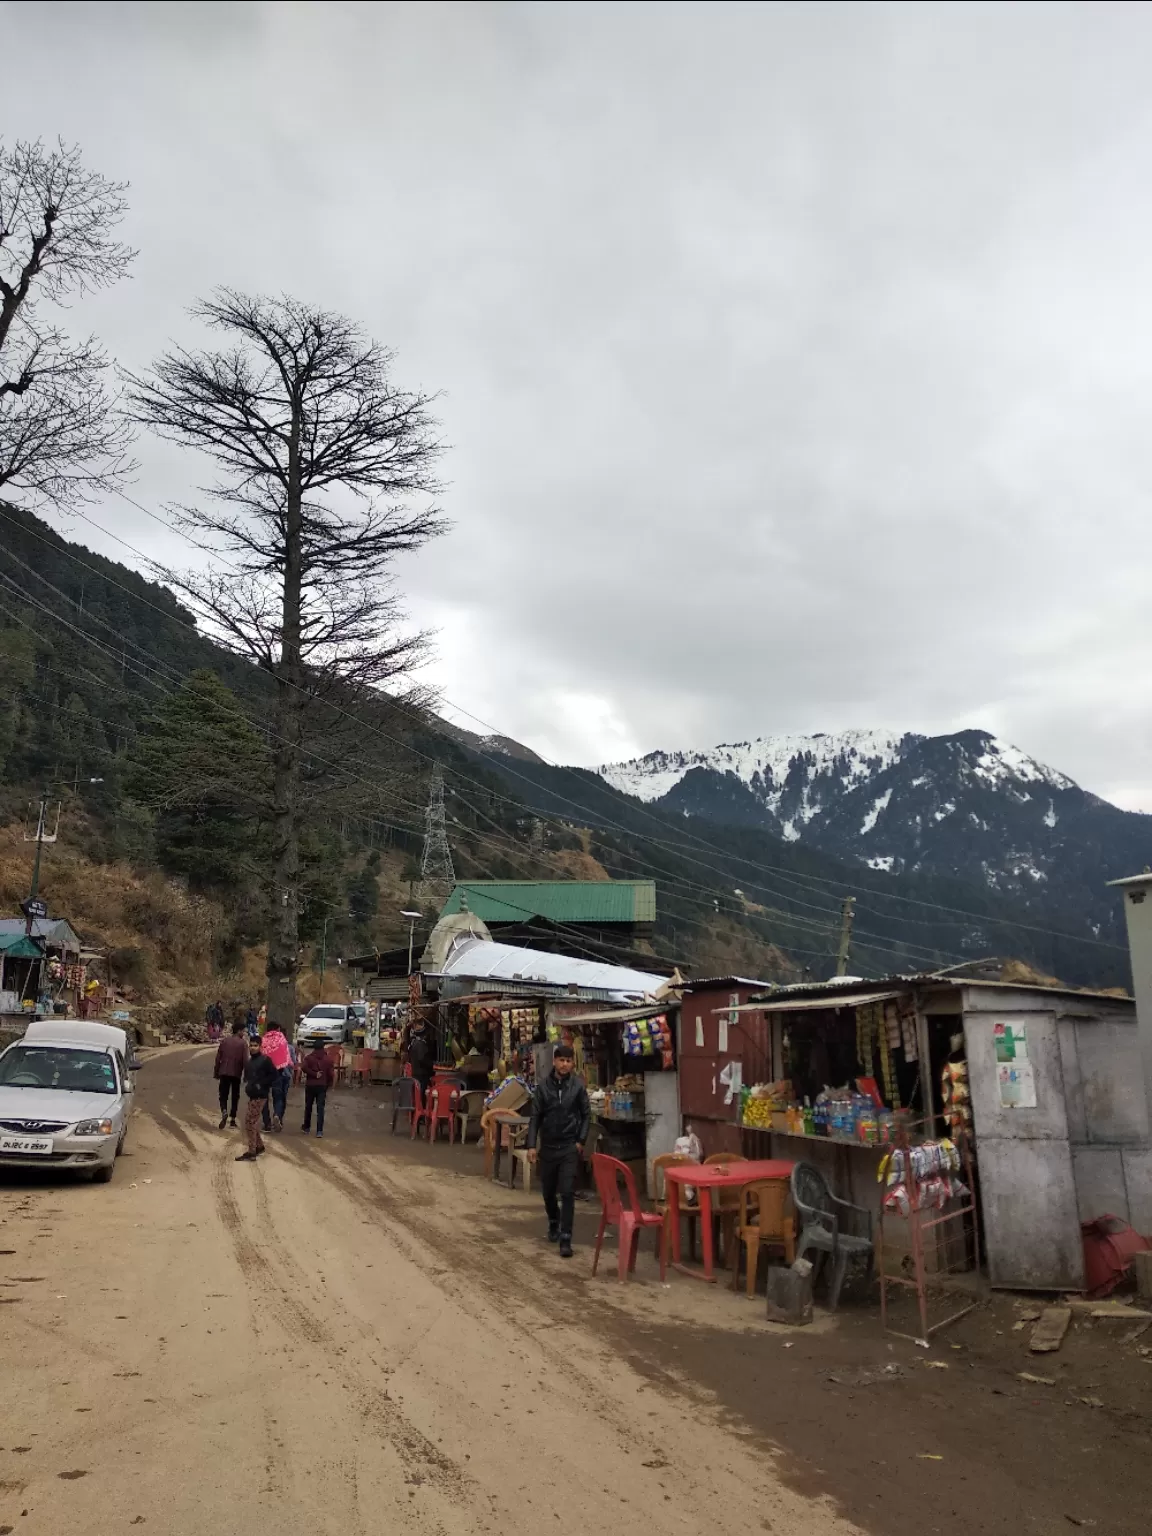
x,y
892,1025
921,1177
908,1033
956,1098
648,1037
888,1071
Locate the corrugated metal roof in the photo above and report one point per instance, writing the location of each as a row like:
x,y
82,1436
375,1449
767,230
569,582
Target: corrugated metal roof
x,y
794,1004
698,983
561,901
53,930
17,947
833,993
483,960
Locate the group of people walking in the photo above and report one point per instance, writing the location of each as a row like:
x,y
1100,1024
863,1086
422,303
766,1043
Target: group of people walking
x,y
243,1015
265,1066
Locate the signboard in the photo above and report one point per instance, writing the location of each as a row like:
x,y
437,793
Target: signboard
x,y
34,907
1015,1074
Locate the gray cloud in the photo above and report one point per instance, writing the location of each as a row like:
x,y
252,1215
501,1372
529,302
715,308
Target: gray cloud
x,y
794,356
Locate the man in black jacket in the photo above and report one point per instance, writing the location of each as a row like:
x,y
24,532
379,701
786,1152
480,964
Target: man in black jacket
x,y
557,1131
422,1055
259,1075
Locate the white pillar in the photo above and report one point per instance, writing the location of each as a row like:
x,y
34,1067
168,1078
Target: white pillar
x,y
1137,894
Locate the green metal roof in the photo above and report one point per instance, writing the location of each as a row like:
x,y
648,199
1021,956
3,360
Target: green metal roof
x,y
560,901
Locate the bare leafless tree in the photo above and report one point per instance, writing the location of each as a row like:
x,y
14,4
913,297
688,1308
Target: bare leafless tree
x,y
326,476
60,438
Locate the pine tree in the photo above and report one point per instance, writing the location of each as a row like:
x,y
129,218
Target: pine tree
x,y
205,772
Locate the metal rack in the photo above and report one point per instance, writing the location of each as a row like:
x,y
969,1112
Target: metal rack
x,y
951,1235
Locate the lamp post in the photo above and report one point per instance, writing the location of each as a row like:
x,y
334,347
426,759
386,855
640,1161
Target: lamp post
x,y
324,950
413,919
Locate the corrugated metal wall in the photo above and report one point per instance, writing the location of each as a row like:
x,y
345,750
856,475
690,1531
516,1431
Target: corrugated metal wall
x,y
708,1043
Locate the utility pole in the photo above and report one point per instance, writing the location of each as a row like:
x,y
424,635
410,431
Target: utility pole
x,y
846,912
34,907
323,956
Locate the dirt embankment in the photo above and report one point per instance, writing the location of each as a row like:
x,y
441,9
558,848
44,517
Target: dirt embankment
x,y
161,941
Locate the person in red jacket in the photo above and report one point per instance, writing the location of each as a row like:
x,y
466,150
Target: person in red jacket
x,y
231,1059
319,1075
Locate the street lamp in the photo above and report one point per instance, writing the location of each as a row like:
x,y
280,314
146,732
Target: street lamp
x,y
413,919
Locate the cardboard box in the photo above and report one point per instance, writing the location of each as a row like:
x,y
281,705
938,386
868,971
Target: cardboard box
x,y
512,1096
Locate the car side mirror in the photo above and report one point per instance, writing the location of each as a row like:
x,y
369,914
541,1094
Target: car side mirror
x,y
135,1064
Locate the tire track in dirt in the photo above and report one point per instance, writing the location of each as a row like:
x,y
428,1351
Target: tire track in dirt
x,y
169,1124
486,1264
258,1262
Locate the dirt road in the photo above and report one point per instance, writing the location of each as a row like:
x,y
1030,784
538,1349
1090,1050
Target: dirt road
x,y
358,1333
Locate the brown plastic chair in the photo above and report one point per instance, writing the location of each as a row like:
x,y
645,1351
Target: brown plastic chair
x,y
491,1125
660,1201
764,1214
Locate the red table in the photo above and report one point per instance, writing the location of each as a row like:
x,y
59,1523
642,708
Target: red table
x,y
705,1177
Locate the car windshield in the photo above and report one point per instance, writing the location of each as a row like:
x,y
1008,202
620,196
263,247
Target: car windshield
x,y
326,1013
46,1066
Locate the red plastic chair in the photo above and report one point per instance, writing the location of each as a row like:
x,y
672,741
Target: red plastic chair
x,y
361,1068
335,1054
442,1101
628,1218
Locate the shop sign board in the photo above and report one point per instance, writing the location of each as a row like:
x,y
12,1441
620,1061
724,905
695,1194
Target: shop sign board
x,y
1015,1073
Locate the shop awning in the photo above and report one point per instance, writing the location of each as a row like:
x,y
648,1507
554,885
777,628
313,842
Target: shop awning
x,y
617,1015
832,1000
20,948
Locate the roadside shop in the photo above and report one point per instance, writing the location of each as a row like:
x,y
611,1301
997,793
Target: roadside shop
x,y
1042,1085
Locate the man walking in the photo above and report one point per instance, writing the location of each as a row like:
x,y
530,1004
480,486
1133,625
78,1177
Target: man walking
x,y
319,1075
557,1130
259,1075
231,1059
274,1045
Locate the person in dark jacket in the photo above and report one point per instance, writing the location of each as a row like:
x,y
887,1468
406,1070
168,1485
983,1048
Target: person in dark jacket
x,y
319,1075
231,1059
259,1075
422,1055
557,1130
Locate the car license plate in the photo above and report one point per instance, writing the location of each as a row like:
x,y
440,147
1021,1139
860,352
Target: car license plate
x,y
32,1146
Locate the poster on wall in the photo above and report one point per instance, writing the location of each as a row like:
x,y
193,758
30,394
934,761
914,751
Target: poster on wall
x,y
1014,1071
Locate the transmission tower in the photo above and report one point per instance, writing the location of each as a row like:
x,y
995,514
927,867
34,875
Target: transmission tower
x,y
437,877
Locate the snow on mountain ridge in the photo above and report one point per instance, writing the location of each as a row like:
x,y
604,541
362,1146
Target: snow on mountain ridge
x,y
774,767
765,763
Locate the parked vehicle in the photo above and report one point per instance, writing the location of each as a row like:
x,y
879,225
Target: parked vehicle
x,y
332,1022
66,1097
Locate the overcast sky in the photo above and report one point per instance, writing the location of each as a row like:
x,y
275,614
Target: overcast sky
x,y
797,359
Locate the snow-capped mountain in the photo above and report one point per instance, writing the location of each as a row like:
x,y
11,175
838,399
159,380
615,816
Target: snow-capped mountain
x,y
967,804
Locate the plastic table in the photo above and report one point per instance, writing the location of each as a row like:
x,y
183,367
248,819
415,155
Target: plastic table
x,y
704,1178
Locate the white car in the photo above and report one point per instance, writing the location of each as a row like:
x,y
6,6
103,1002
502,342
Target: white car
x,y
66,1096
331,1022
